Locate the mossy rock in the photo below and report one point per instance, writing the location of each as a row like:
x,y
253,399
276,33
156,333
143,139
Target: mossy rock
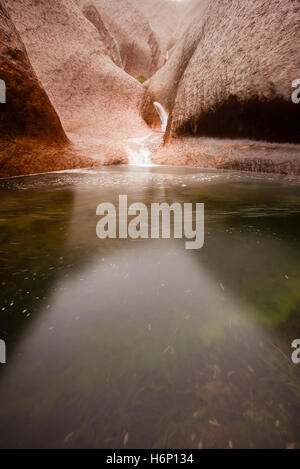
x,y
141,78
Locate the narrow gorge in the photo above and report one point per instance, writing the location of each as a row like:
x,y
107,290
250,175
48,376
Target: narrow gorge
x,y
149,226
223,73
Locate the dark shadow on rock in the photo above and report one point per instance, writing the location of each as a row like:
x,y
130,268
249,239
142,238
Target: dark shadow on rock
x,y
274,121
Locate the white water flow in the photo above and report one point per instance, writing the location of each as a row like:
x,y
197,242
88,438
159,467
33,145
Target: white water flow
x,y
138,152
163,116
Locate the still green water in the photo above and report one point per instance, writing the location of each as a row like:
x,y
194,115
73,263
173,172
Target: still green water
x,y
143,344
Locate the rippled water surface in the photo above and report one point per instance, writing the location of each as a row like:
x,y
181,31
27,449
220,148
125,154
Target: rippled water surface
x,y
141,344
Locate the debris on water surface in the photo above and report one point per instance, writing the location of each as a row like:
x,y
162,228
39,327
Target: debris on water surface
x,y
169,349
126,438
68,437
217,371
214,423
198,414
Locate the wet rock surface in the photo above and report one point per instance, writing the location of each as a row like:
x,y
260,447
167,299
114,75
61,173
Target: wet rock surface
x,y
240,155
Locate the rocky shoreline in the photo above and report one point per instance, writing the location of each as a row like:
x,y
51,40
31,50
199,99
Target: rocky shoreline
x,y
242,155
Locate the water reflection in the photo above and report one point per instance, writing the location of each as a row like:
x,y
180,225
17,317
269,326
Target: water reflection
x,y
142,343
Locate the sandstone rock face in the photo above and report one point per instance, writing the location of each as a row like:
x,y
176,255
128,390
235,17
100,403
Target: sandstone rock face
x,y
163,85
191,9
139,45
92,96
237,155
233,72
28,112
116,154
92,14
32,138
164,18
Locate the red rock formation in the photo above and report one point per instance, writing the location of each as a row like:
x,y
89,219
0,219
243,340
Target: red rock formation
x,y
163,85
92,14
237,155
232,72
28,115
139,45
164,18
28,111
92,96
190,11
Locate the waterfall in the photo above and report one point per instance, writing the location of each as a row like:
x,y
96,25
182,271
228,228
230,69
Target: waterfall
x,y
138,152
163,116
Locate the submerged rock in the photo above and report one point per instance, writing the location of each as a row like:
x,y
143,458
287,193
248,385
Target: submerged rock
x,y
231,73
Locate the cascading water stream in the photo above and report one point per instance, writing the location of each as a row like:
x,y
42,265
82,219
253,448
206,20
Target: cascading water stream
x,y
139,154
163,116
139,150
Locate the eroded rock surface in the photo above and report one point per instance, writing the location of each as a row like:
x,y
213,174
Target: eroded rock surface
x,y
232,72
28,115
139,45
92,14
28,111
164,17
237,155
93,97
